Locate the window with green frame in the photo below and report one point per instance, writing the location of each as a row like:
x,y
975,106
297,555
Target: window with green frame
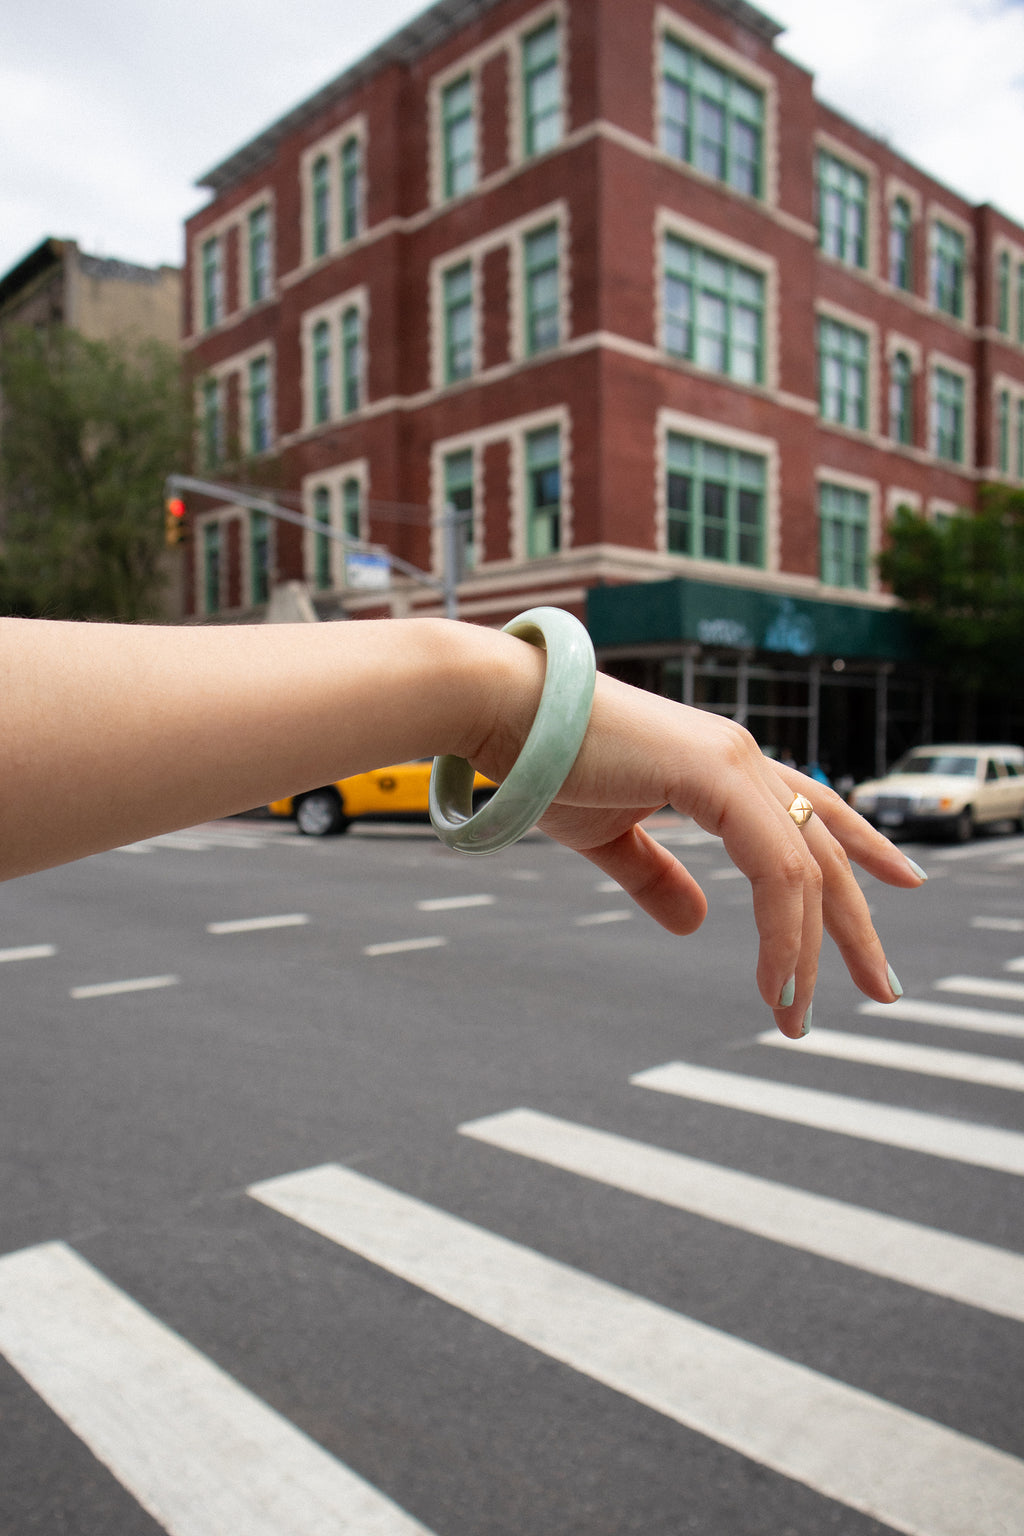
x,y
901,398
542,90
259,405
351,359
351,512
1020,438
211,567
948,415
321,372
321,206
948,266
458,322
842,373
212,424
213,285
844,515
711,119
259,254
458,498
901,251
713,311
351,187
540,270
259,557
322,573
1020,303
544,492
1003,431
715,501
458,137
842,210
1003,292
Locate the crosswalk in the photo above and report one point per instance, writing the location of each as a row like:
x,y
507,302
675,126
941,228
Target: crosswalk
x,y
206,1456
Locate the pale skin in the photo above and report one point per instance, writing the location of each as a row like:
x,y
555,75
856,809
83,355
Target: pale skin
x,y
115,733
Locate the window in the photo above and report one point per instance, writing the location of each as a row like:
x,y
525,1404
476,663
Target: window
x,y
213,283
544,492
212,424
211,567
713,311
321,206
1020,438
1003,292
948,415
458,499
351,521
842,374
259,405
259,255
901,399
540,261
458,135
259,557
322,576
842,211
1020,303
1003,431
844,517
351,190
711,119
901,270
321,372
351,360
542,90
715,498
948,261
458,323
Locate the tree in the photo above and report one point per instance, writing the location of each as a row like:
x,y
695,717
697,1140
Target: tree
x,y
962,579
88,432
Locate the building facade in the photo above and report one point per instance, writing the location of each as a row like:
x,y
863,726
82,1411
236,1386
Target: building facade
x,y
670,336
101,297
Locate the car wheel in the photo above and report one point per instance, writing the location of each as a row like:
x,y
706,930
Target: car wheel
x,y
321,814
963,827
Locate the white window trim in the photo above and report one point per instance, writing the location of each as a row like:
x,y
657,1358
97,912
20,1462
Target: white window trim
x,y
964,371
558,12
217,232
939,213
896,497
332,312
330,147
840,150
473,255
557,214
241,362
825,310
766,448
224,517
262,199
1014,388
825,475
667,222
896,189
469,66
333,480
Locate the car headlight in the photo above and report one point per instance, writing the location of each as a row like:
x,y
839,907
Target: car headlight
x,y
932,804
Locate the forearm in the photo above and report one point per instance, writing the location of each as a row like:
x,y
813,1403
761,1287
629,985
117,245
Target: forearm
x,y
112,733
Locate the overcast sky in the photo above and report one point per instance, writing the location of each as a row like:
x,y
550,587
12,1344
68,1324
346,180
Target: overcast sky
x,y
110,111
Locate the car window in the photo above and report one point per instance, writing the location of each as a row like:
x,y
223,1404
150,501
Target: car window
x,y
1012,769
992,770
961,766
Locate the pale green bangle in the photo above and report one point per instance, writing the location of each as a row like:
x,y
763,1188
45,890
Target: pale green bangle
x,y
548,753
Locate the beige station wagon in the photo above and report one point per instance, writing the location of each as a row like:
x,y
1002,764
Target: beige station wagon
x,y
946,789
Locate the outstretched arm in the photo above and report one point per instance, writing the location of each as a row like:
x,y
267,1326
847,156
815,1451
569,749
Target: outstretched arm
x,y
113,733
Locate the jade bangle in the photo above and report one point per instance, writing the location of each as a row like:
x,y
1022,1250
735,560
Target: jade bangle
x,y
548,753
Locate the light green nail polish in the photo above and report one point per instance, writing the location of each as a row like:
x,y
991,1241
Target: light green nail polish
x,y
894,981
805,1027
787,994
918,871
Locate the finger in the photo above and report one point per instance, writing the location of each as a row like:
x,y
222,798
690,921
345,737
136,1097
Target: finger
x,y
865,846
848,921
648,873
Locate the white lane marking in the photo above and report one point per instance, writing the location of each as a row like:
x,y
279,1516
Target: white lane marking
x,y
608,887
999,924
201,1453
982,1146
955,1267
259,924
846,1444
729,873
28,952
595,919
983,986
982,848
113,988
400,946
991,1071
984,1021
134,848
454,903
1015,965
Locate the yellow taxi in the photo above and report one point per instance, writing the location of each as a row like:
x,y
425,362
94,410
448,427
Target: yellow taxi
x,y
398,793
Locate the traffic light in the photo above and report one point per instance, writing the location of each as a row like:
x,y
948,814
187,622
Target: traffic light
x,y
174,521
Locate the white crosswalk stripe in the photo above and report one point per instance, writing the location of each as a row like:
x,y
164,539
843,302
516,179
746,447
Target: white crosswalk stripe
x,y
985,1021
991,1071
895,1466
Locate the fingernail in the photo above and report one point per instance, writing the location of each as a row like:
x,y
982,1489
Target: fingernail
x,y
787,994
894,981
805,1027
918,871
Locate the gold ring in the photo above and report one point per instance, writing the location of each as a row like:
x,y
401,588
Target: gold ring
x,y
801,810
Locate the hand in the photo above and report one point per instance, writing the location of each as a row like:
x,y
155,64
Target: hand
x,y
642,752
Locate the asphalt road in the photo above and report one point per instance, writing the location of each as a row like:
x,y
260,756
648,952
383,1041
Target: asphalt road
x,y
352,1186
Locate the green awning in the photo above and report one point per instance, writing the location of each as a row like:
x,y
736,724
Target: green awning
x,y
680,610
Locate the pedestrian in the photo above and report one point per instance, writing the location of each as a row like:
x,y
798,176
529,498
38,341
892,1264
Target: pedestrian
x,y
114,733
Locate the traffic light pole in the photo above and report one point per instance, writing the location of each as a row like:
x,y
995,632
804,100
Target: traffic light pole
x,y
451,523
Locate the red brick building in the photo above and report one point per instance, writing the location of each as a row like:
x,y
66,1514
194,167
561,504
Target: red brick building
x,y
675,338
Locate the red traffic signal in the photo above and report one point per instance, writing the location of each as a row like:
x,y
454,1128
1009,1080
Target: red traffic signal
x,y
174,521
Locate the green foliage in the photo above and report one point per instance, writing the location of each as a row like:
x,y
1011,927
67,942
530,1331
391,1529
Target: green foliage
x,y
962,578
89,431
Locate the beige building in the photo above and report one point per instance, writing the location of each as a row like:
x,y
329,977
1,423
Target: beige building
x,y
99,296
